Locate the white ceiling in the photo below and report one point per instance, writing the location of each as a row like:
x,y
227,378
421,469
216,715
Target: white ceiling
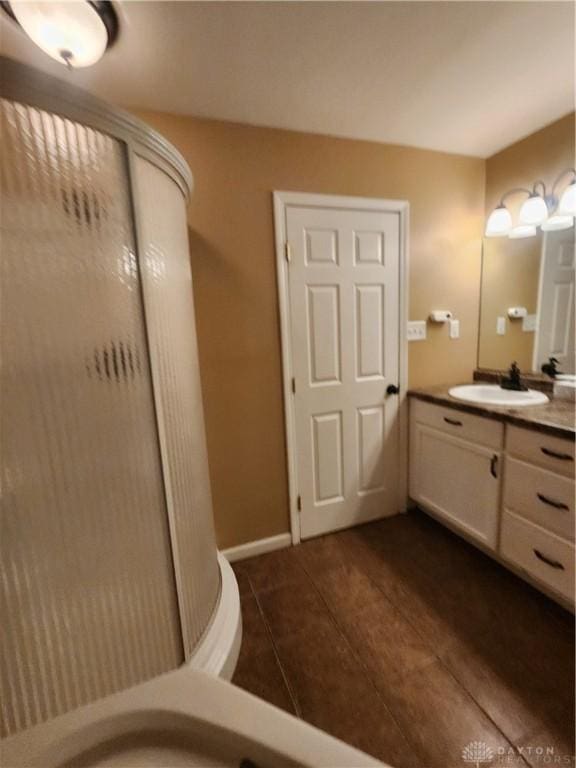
x,y
465,77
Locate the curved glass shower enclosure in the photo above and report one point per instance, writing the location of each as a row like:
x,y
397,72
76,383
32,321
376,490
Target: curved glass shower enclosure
x,y
109,564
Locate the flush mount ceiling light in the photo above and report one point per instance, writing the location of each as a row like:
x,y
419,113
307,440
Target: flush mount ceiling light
x,y
74,32
536,210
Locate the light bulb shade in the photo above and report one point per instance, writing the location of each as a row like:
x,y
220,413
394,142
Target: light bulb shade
x,y
534,211
499,222
523,230
557,222
567,205
74,33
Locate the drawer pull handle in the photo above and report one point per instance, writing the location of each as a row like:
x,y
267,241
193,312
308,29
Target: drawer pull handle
x,y
554,455
454,422
551,502
493,465
552,563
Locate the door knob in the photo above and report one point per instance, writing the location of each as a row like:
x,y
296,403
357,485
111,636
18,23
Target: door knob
x,y
392,389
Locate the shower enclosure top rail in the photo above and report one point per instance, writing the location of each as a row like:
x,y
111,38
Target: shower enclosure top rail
x,y
26,85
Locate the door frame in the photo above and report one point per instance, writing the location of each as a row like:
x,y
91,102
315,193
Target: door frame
x,y
282,201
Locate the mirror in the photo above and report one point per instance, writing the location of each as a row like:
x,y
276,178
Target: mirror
x,y
535,277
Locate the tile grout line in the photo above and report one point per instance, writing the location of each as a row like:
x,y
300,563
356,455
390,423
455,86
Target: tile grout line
x,y
481,708
434,657
342,559
334,619
291,694
439,658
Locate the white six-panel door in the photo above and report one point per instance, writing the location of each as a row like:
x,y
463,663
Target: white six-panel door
x,y
343,331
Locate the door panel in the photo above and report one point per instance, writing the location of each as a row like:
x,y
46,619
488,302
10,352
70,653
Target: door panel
x,y
167,285
370,347
328,474
324,334
344,315
371,434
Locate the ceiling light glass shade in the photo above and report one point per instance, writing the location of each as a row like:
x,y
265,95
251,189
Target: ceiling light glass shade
x,y
499,222
558,222
70,32
534,210
567,205
523,230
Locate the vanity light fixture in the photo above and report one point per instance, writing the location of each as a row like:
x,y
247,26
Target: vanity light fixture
x,y
557,222
522,230
536,210
76,34
499,222
567,205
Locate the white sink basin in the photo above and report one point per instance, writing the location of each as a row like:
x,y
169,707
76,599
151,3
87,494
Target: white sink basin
x,y
492,394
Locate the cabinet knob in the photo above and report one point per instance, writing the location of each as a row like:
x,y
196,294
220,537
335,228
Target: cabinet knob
x,y
392,389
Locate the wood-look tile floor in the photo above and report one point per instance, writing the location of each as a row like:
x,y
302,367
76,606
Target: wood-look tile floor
x,y
405,641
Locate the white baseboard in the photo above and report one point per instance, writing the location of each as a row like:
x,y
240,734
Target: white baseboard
x,y
258,547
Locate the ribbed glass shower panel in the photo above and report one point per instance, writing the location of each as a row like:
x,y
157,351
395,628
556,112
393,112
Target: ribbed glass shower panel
x,y
167,282
88,595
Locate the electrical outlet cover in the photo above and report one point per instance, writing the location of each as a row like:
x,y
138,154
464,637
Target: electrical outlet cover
x,y
501,326
454,329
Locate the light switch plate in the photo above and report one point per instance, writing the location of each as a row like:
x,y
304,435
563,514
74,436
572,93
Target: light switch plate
x,y
416,330
454,329
501,326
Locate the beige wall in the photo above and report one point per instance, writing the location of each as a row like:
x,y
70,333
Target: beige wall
x,y
236,168
511,267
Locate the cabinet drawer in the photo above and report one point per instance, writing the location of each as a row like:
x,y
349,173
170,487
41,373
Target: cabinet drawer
x,y
551,452
541,496
467,426
544,556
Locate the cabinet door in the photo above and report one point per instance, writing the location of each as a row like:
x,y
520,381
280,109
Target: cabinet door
x,y
456,480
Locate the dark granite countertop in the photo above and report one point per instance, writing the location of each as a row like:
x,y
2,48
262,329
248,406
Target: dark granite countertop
x,y
556,417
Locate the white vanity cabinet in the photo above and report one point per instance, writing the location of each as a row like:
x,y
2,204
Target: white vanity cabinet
x,y
455,465
510,489
537,531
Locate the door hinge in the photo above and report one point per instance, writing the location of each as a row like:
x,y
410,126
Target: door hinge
x,y
287,252
293,385
299,503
